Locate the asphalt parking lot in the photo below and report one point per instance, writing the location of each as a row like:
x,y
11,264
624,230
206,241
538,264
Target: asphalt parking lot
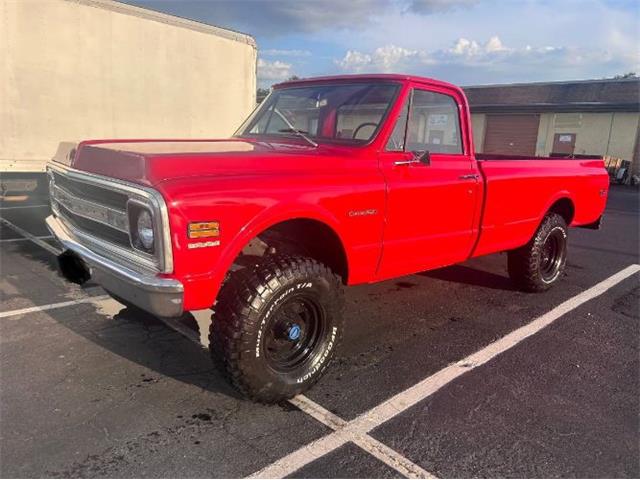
x,y
91,389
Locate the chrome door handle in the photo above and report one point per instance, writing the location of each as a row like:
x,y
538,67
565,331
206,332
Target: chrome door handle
x,y
472,176
406,162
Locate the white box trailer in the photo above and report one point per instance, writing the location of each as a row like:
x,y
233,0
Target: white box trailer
x,y
82,69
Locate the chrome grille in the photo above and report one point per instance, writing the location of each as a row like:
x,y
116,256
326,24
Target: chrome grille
x,y
94,193
95,208
98,229
91,211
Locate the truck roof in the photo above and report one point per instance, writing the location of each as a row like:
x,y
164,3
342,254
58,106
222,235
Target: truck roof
x,y
397,77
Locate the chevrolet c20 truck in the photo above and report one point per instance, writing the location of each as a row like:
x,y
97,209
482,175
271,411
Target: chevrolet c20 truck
x,y
332,181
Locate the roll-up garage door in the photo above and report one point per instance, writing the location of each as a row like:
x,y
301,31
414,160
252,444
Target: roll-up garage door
x,y
511,134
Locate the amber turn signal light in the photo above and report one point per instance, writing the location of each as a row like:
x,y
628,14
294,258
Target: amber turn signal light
x,y
204,229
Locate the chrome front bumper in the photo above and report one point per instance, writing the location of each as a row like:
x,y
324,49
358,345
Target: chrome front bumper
x,y
160,296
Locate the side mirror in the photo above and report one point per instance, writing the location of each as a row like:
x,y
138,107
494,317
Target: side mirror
x,y
422,156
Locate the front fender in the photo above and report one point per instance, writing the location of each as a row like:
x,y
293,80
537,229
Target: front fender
x,y
271,217
202,289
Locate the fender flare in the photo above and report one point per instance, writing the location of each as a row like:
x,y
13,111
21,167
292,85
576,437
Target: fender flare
x,y
561,195
265,220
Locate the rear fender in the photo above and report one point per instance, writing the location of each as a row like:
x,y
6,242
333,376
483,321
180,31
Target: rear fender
x,y
564,194
532,226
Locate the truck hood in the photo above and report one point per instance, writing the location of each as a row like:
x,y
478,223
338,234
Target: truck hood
x,y
151,162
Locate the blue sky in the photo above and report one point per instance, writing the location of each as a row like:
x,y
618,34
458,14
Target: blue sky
x,y
468,42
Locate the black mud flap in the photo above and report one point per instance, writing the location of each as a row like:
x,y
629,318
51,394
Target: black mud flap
x,y
73,267
597,225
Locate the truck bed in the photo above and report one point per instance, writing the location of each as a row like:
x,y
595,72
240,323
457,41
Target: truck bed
x,y
519,190
498,156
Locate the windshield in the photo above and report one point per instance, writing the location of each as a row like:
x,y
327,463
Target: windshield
x,y
349,113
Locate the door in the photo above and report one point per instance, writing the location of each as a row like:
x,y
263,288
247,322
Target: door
x,y
511,134
430,203
564,143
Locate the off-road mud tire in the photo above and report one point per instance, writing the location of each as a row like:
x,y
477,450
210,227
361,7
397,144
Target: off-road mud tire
x,y
247,308
530,267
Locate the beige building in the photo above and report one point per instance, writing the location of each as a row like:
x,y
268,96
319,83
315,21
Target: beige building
x,y
593,117
81,69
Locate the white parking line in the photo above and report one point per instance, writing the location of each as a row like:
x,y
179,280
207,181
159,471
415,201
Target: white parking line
x,y
389,456
24,239
361,425
371,445
23,206
33,238
356,431
51,306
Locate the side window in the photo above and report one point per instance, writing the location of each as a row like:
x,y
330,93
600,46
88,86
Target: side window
x,y
396,140
434,123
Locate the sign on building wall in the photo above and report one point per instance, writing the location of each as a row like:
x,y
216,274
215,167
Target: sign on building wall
x,y
438,120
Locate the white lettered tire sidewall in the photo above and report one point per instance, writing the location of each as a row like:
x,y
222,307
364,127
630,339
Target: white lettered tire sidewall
x,y
241,323
320,289
524,263
563,231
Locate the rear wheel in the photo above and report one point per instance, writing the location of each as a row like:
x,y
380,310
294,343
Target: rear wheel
x,y
539,264
277,325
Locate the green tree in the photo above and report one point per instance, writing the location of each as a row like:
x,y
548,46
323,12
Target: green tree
x,y
626,75
261,94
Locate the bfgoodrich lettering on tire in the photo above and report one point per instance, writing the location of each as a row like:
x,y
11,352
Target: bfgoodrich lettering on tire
x,y
277,325
541,262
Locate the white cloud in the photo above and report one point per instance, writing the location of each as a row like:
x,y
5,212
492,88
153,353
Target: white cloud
x,y
355,61
494,45
465,47
285,53
433,29
470,61
384,59
471,48
274,71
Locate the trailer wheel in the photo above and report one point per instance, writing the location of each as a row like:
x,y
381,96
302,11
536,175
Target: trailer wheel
x,y
277,325
539,264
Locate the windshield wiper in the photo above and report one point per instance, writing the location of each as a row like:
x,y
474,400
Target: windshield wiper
x,y
300,133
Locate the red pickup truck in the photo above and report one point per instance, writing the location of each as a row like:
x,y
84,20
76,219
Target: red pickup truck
x,y
331,181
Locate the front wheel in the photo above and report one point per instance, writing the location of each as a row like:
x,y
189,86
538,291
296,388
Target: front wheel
x,y
277,325
539,264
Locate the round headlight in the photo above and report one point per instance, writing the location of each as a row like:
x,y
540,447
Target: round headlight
x,y
145,230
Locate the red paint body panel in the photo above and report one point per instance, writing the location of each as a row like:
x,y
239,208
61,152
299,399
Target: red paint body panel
x,y
520,192
425,217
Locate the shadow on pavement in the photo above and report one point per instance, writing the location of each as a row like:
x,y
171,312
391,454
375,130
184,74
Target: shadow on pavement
x,y
471,276
144,339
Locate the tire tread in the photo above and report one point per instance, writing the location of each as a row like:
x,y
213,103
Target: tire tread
x,y
236,315
523,262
